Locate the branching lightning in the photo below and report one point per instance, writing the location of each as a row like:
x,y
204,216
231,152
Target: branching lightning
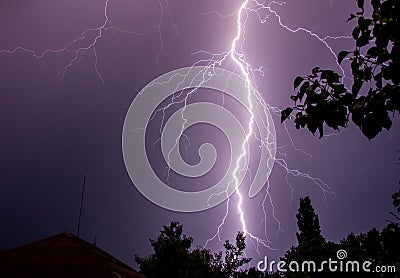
x,y
239,60
90,44
235,54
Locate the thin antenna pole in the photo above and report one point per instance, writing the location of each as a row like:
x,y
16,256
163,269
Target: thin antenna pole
x,y
83,194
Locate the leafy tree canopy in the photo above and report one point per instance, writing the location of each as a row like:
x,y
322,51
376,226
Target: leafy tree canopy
x,y
321,98
173,257
312,246
308,222
378,247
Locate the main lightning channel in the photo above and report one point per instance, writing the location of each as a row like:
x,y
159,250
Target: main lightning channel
x,y
243,66
237,55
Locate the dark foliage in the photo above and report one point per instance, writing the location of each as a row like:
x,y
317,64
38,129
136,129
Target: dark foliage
x,y
312,246
308,222
173,257
374,99
381,248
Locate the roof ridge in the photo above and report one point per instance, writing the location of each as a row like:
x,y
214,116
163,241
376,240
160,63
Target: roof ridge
x,y
68,234
105,256
66,239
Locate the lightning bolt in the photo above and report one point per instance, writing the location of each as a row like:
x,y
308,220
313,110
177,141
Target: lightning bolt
x,y
239,60
238,57
91,37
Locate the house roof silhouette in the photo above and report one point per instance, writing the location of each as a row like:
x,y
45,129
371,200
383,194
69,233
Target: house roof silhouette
x,y
62,255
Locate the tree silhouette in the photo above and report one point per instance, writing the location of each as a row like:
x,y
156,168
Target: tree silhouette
x,y
173,257
308,222
312,246
234,257
390,236
381,248
171,254
322,97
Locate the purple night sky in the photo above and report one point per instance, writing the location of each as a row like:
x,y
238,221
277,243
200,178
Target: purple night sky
x,y
59,116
